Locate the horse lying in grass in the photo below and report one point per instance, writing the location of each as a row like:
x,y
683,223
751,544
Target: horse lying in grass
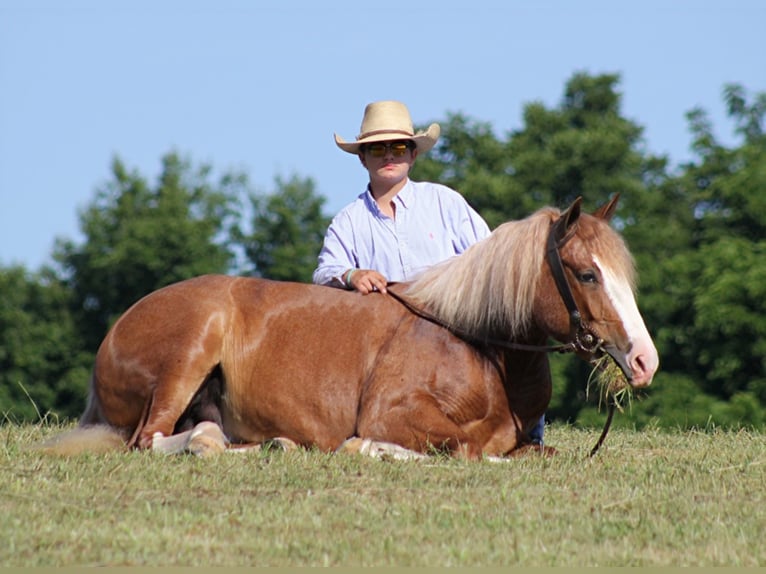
x,y
454,360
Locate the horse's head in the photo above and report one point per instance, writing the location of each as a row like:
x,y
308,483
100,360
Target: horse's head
x,y
597,269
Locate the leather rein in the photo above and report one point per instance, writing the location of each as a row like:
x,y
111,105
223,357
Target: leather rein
x,y
582,338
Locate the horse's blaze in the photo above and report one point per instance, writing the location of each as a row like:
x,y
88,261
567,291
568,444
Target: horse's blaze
x,y
641,358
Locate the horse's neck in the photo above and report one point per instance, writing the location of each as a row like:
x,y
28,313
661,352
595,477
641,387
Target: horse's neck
x,y
526,368
527,376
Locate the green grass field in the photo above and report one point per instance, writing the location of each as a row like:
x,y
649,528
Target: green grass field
x,y
649,498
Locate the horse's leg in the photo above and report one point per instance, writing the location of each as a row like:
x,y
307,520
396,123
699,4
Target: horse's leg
x,y
418,424
278,443
171,398
378,449
206,404
205,439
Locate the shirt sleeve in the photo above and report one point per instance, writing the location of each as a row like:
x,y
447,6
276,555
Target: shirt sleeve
x,y
470,227
336,255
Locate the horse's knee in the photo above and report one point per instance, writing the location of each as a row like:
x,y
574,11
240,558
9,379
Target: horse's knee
x,y
152,431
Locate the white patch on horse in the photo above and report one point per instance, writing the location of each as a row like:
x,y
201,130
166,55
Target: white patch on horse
x,y
205,439
624,302
621,296
379,449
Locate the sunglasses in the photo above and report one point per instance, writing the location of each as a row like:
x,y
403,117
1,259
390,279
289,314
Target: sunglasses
x,y
398,149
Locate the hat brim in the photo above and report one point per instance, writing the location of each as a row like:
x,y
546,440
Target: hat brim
x,y
424,141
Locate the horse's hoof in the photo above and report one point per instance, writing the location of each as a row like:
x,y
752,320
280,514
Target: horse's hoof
x,y
352,445
173,444
379,449
206,439
282,443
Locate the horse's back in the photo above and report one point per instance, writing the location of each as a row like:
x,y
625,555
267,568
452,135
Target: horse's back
x,y
280,346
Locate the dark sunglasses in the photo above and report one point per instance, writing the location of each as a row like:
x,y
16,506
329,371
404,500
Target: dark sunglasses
x,y
398,149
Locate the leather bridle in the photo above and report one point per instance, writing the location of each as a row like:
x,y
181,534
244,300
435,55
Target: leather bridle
x,y
582,338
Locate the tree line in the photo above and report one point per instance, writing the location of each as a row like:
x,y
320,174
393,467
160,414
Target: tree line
x,y
697,232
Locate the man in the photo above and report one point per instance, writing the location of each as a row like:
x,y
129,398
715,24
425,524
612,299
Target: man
x,y
397,227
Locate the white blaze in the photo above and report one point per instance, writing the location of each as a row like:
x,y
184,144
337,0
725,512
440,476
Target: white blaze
x,y
642,358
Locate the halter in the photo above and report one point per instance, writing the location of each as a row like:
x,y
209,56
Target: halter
x,y
582,338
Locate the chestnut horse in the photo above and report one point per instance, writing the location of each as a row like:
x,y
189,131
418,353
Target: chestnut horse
x,y
452,360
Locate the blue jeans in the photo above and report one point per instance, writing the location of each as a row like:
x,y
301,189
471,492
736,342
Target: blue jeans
x,y
536,434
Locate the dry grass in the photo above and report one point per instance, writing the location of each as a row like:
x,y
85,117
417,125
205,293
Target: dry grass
x,y
610,382
647,499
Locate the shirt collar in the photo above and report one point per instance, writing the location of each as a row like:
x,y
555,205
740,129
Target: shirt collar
x,y
406,194
403,198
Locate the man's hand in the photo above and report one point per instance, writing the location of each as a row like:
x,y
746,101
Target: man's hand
x,y
366,281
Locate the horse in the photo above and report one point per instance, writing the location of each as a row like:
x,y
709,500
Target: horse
x,y
452,361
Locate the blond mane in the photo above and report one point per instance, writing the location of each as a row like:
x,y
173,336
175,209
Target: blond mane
x,y
490,288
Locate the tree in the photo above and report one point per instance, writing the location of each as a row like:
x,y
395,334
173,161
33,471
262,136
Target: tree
x,y
288,230
721,339
43,366
470,158
140,238
583,147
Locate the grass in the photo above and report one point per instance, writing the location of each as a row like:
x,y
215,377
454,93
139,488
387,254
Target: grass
x,y
649,498
610,382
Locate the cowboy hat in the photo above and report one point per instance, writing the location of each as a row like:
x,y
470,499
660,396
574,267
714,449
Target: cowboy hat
x,y
386,121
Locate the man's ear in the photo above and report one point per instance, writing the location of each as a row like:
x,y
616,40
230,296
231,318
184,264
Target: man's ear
x,y
361,160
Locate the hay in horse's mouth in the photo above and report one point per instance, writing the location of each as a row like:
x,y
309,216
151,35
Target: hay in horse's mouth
x,y
611,382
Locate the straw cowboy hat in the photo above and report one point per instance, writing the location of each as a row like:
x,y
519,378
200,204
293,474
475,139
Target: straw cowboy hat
x,y
387,121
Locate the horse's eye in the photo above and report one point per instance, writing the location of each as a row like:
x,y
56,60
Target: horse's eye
x,y
588,277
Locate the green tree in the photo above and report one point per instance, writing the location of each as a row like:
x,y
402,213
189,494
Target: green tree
x,y
139,238
721,341
582,147
288,230
43,367
471,159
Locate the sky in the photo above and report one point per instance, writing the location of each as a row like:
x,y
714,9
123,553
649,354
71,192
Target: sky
x,y
260,87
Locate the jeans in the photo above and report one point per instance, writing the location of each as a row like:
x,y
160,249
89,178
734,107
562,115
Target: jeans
x,y
536,434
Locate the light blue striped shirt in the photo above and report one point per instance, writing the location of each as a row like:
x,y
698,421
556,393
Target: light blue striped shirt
x,y
432,224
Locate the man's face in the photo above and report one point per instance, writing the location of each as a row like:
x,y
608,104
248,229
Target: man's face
x,y
388,161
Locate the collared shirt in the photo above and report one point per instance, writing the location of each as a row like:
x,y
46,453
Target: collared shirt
x,y
432,224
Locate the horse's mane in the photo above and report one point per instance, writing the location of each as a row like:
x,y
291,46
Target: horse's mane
x,y
490,288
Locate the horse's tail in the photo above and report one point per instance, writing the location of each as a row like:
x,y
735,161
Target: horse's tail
x,y
85,439
93,433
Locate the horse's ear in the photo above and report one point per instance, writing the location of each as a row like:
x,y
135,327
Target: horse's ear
x,y
607,210
565,223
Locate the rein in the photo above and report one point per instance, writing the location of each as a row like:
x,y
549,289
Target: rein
x,y
582,337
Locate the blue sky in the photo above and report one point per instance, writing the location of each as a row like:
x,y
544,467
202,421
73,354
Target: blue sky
x,y
261,87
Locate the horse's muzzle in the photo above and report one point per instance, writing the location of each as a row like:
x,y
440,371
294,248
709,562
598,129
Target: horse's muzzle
x,y
621,358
